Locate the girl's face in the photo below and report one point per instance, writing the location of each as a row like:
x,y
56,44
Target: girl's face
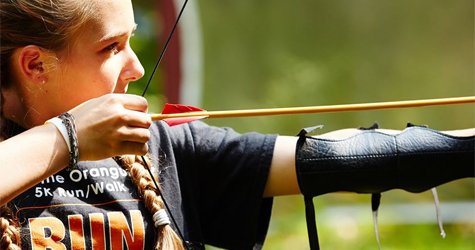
x,y
101,60
98,61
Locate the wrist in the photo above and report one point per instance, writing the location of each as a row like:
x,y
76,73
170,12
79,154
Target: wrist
x,y
58,124
66,126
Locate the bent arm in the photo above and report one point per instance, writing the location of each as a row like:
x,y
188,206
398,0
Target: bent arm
x,y
30,157
110,125
282,178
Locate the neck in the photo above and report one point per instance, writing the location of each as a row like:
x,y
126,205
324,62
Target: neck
x,y
9,128
16,109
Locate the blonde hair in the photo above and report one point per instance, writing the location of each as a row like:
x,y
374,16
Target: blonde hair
x,y
52,24
153,201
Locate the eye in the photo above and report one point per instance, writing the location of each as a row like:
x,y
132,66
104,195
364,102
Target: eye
x,y
113,48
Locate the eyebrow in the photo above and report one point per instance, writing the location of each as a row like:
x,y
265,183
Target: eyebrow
x,y
117,34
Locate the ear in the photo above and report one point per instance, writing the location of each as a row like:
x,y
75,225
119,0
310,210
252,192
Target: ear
x,y
33,62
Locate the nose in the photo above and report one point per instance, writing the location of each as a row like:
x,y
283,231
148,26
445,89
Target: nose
x,y
133,69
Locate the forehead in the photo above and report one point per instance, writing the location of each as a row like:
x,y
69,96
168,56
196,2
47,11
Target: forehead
x,y
110,18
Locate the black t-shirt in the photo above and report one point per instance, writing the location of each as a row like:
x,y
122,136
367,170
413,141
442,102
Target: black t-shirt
x,y
212,180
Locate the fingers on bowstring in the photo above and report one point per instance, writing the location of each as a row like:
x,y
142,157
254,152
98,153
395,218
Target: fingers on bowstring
x,y
135,102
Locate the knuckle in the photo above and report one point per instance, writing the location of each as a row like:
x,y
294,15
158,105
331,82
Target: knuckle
x,y
122,117
111,98
122,133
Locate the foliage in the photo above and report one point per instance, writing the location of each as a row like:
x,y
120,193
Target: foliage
x,y
313,52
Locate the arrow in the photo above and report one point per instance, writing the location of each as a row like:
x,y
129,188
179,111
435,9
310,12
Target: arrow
x,y
173,111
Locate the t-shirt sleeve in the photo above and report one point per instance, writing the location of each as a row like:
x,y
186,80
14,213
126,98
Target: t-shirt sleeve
x,y
228,172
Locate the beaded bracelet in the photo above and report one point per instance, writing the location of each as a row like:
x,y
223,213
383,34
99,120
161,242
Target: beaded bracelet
x,y
65,124
68,121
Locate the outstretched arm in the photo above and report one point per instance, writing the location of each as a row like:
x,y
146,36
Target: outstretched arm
x,y
282,178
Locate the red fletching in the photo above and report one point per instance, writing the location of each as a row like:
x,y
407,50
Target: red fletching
x,y
179,108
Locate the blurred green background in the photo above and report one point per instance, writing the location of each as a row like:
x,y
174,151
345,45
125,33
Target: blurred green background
x,y
280,53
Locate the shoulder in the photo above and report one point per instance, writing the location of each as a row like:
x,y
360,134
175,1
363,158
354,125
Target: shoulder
x,y
199,136
195,131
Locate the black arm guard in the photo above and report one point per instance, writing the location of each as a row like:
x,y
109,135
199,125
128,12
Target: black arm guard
x,y
415,160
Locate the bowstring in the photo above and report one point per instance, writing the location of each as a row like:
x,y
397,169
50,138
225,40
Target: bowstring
x,y
162,53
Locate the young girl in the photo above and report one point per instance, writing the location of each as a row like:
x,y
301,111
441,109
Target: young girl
x,y
65,68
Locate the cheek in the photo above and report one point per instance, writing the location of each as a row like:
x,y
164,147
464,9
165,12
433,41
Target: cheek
x,y
96,80
108,75
106,81
93,74
103,81
77,87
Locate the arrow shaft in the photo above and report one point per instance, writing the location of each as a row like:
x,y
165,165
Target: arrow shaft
x,y
319,109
